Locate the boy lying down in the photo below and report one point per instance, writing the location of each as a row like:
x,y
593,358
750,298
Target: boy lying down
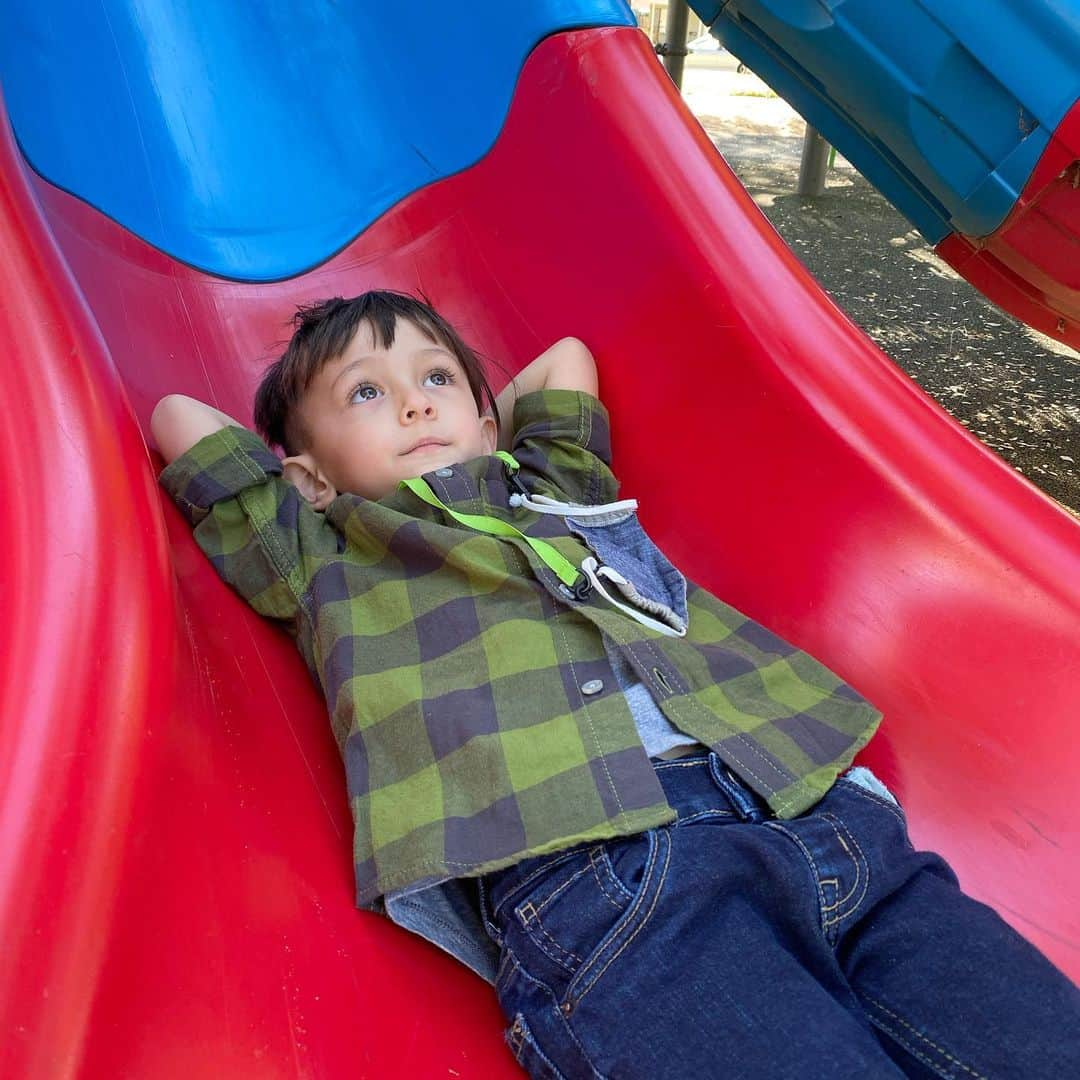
x,y
625,804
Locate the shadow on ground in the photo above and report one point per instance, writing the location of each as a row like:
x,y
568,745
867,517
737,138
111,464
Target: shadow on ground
x,y
1016,389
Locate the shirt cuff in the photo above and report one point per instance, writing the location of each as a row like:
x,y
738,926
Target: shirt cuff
x,y
565,416
219,466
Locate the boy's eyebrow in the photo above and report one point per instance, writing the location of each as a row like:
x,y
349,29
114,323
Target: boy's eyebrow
x,y
360,360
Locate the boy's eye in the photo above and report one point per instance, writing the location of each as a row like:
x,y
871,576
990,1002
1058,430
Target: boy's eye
x,y
364,392
440,377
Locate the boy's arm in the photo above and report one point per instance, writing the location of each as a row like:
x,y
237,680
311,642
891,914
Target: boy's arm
x,y
250,521
179,422
567,365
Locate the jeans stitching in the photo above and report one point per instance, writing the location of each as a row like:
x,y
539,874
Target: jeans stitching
x,y
506,958
515,1036
594,859
781,804
562,887
485,913
526,1037
858,789
520,968
547,865
704,814
859,862
685,763
918,1035
834,884
662,837
825,924
566,952
640,899
912,1049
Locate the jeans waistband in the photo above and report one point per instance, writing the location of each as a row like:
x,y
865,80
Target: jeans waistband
x,y
701,782
696,786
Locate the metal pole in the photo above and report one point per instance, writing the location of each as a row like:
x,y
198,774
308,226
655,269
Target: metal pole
x,y
815,156
673,49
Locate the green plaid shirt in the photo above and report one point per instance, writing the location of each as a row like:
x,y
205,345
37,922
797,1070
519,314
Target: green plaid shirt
x,y
462,680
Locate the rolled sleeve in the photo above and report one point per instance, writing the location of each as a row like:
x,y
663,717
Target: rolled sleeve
x,y
563,437
256,530
218,467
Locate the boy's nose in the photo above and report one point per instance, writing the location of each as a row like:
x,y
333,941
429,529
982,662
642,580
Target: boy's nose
x,y
417,407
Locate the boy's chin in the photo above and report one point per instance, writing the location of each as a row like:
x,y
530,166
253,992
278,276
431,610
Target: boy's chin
x,y
430,462
418,468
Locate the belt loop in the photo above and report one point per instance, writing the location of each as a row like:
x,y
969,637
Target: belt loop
x,y
741,799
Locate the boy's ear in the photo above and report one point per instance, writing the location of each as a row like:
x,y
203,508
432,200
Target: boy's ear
x,y
489,433
305,475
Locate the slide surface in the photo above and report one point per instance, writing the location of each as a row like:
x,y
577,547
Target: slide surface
x,y
175,877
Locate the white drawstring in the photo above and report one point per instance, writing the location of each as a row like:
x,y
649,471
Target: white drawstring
x,y
594,571
542,504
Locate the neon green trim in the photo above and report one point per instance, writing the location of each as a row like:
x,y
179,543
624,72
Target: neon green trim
x,y
563,567
508,459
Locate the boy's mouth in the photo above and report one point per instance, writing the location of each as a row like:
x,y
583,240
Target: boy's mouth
x,y
424,444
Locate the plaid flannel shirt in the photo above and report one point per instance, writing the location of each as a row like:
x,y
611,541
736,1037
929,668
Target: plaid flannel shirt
x,y
461,680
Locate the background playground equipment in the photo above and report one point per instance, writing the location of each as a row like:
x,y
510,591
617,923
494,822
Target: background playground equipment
x,y
965,114
175,884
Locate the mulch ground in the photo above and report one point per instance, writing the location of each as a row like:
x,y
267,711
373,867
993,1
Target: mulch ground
x,y
1017,390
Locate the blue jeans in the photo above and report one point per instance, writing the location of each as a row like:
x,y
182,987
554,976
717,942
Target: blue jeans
x,y
731,944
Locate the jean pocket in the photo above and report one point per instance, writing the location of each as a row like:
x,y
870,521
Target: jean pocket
x,y
573,923
566,912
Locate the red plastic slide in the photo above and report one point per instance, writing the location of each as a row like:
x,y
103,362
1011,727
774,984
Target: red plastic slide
x,y
175,877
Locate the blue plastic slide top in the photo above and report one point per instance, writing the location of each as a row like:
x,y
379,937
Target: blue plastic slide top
x,y
254,140
945,105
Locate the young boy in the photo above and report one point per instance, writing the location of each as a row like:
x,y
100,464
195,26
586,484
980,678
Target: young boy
x,y
587,778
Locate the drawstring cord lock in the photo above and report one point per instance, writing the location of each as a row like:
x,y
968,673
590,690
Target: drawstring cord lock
x,y
582,588
511,467
520,489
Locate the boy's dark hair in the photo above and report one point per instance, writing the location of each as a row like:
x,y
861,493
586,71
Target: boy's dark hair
x,y
323,330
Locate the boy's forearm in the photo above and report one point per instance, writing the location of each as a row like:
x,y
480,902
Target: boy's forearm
x,y
567,365
179,422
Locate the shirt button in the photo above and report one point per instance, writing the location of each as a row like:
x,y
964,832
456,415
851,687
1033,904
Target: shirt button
x,y
444,472
593,686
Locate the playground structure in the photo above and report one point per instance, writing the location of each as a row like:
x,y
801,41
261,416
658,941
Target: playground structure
x,y
965,114
175,892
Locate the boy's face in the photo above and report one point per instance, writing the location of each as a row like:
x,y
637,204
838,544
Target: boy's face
x,y
376,415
